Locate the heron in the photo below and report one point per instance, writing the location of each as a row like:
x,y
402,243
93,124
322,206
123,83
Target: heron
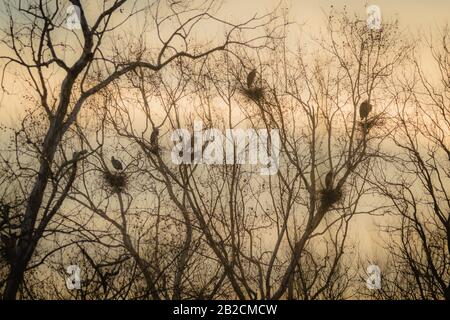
x,y
154,137
77,154
251,78
116,164
364,109
329,180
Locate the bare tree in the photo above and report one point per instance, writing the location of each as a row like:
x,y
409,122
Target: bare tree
x,y
329,148
89,175
324,164
63,76
418,184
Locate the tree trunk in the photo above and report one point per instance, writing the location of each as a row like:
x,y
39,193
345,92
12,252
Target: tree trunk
x,y
26,244
25,247
13,282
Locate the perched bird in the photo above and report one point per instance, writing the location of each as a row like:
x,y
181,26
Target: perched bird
x,y
154,147
251,78
364,109
154,137
329,180
116,164
77,154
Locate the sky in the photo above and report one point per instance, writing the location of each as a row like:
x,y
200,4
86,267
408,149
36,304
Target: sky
x,y
412,13
419,18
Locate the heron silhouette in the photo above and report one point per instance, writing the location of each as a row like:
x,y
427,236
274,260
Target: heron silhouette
x,y
154,145
154,137
76,155
364,109
116,164
251,78
329,180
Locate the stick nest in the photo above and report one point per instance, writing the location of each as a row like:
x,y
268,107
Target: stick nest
x,y
330,197
370,123
254,93
115,181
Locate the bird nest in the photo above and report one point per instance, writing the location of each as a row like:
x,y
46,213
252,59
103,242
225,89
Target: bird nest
x,y
370,123
115,181
254,93
330,197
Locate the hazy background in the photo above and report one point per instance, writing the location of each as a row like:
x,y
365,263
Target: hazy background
x,y
417,18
